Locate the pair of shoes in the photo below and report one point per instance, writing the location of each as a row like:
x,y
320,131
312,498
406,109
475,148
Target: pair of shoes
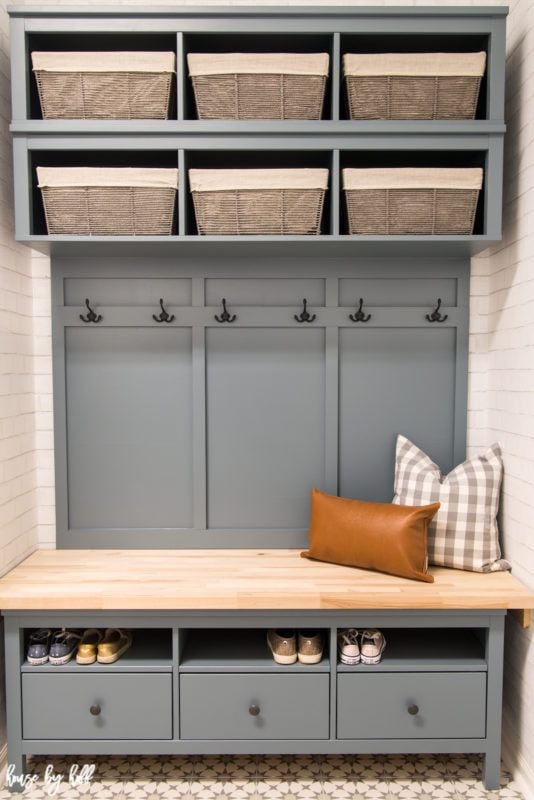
x,y
286,648
367,646
58,647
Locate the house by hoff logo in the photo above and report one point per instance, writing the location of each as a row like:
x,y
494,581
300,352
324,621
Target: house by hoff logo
x,y
52,780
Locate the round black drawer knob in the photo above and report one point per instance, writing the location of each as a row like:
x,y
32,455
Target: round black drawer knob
x,y
95,710
413,709
254,710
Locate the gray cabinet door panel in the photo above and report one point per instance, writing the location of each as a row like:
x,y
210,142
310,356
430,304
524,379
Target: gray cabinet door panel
x,y
129,441
265,291
396,380
265,425
448,705
289,706
131,706
399,292
128,291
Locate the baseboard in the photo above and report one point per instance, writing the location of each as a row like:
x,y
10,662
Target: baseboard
x,y
522,771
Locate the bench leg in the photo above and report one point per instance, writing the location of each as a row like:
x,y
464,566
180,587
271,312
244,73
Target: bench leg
x,y
494,658
16,770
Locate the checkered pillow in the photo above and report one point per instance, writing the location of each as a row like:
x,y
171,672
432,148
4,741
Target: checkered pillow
x,y
464,533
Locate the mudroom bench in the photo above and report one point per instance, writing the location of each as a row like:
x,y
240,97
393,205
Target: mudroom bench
x,y
199,677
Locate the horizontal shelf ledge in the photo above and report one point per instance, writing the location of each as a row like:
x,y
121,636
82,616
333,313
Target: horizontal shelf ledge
x,y
327,245
258,127
259,11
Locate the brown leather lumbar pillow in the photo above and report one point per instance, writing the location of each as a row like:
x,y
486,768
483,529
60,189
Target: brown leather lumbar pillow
x,y
379,536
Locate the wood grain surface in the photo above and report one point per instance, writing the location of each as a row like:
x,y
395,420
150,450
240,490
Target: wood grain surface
x,y
237,580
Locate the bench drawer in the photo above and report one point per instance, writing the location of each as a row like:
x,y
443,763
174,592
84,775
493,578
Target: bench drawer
x,y
443,705
118,706
254,706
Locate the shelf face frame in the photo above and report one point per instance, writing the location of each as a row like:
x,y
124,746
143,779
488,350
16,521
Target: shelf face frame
x,y
461,21
333,146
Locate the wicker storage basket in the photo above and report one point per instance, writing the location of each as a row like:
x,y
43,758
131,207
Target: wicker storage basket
x,y
102,201
258,85
413,85
258,201
411,201
127,85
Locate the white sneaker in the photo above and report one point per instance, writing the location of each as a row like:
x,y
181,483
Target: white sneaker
x,y
372,647
348,647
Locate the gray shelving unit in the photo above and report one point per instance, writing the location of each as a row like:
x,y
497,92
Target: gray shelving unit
x,y
201,434
334,141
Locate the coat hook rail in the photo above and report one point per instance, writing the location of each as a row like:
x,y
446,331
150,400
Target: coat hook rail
x,y
436,315
360,315
225,316
305,315
164,316
92,316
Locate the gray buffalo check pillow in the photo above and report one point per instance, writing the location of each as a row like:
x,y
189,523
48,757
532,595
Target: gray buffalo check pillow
x,y
464,533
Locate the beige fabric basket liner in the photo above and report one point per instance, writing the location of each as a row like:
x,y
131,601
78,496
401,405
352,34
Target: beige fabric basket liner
x,y
136,61
220,180
105,176
415,64
257,63
412,178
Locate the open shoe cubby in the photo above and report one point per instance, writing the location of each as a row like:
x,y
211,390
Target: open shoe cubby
x,y
151,651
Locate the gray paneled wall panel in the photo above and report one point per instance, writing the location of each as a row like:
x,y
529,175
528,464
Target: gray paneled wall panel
x,y
265,291
398,292
133,292
397,380
129,443
265,425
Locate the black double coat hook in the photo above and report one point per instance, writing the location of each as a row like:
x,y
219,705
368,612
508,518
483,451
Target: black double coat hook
x,y
305,315
164,316
92,316
225,316
360,316
436,315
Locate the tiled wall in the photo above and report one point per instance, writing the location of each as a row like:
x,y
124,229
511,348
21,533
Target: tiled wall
x,y
501,368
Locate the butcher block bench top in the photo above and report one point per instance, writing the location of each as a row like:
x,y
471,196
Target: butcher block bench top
x,y
237,580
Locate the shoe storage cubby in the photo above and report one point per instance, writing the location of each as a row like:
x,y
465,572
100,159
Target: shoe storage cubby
x,y
239,650
427,650
151,651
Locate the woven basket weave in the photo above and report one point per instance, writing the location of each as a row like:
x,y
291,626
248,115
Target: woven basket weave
x,y
258,85
411,201
88,201
126,85
413,85
263,201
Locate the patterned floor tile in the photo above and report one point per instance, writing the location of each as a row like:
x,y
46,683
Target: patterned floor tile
x,y
329,777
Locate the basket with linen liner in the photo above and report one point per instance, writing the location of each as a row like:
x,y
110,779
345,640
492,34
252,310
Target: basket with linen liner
x,y
106,201
413,85
411,200
258,201
258,85
104,85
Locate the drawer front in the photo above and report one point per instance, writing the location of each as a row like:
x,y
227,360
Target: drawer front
x,y
132,706
448,705
220,706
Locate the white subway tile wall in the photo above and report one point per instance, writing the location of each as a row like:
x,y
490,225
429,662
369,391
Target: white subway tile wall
x,y
501,400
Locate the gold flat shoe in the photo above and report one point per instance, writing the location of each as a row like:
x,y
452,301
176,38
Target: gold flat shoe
x,y
115,642
86,653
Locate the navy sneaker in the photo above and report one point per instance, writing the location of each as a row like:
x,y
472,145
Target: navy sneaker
x,y
63,647
39,646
